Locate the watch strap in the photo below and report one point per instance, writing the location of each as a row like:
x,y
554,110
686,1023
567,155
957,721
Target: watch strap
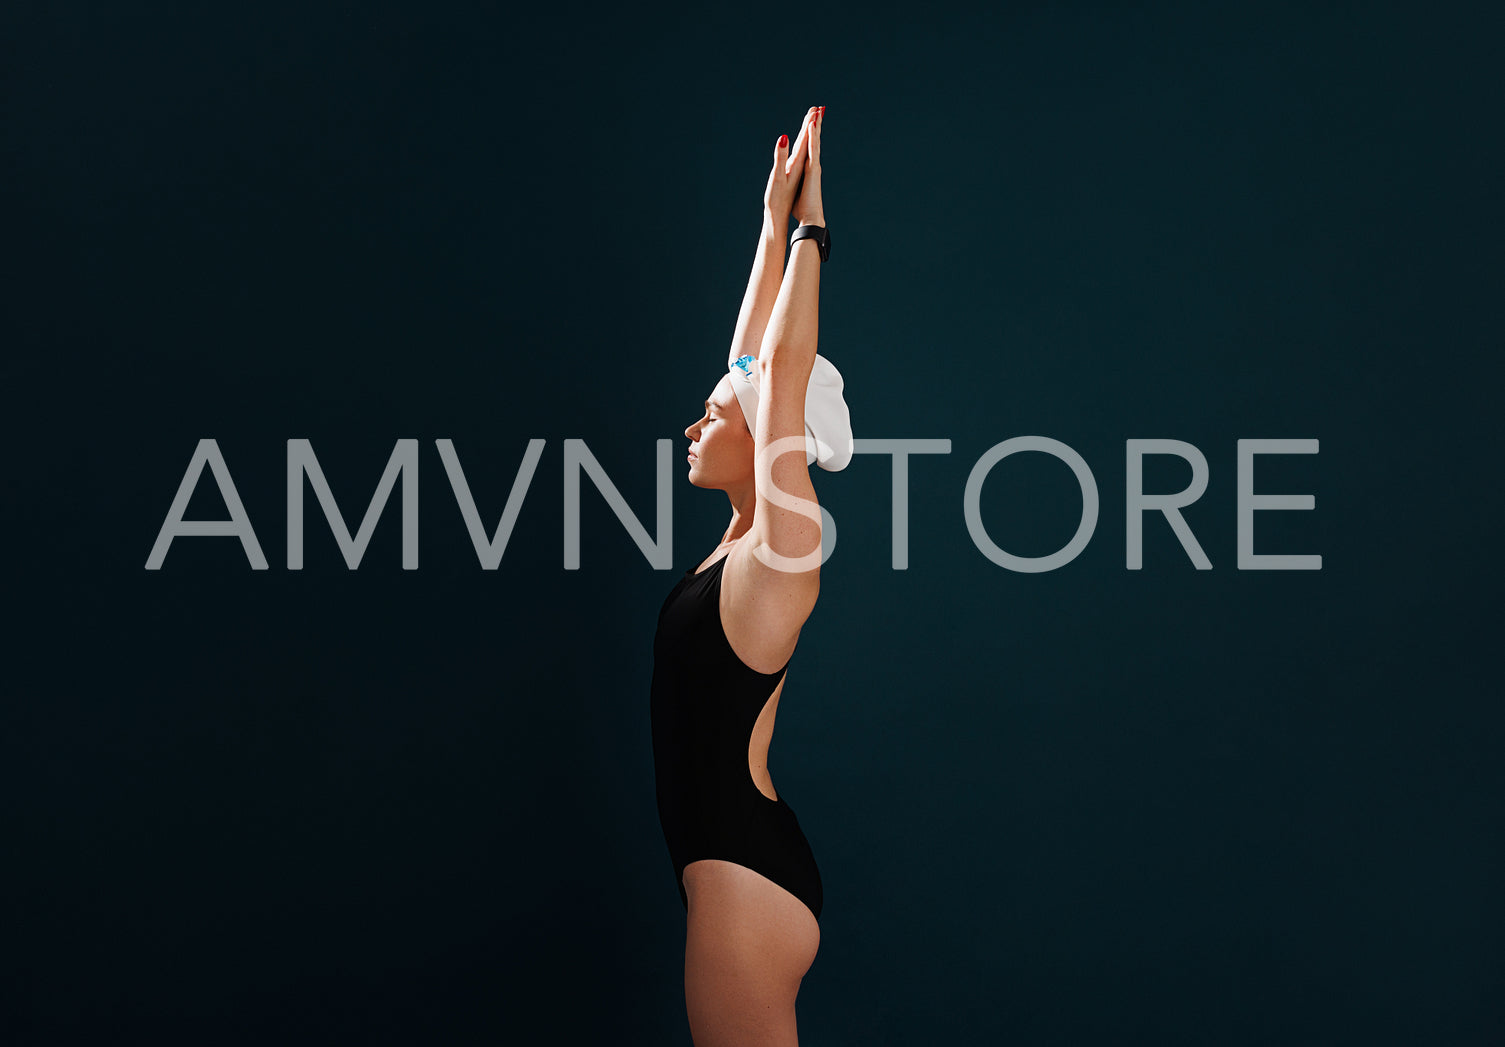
x,y
819,233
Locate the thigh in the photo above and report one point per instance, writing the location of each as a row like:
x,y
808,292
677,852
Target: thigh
x,y
748,944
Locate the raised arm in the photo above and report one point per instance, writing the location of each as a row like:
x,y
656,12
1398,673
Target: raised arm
x,y
787,519
768,263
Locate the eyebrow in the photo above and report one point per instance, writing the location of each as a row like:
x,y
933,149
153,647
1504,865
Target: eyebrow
x,y
709,405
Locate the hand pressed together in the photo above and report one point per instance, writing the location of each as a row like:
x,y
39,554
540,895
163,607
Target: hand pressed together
x,y
794,182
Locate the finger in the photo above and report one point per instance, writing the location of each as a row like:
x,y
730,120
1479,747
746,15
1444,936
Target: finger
x,y
796,161
814,148
797,151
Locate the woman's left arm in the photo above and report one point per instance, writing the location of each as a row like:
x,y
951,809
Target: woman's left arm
x,y
762,287
768,263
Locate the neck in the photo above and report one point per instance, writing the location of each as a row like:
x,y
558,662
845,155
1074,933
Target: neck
x,y
742,515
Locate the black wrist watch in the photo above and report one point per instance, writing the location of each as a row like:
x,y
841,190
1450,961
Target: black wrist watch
x,y
817,233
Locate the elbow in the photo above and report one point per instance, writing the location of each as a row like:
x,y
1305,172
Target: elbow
x,y
788,358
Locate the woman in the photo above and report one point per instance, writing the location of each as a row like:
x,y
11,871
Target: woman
x,y
728,629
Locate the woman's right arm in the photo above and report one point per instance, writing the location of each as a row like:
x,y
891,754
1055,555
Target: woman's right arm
x,y
787,519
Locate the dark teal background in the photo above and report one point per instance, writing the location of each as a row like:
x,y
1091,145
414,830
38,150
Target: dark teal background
x,y
1092,806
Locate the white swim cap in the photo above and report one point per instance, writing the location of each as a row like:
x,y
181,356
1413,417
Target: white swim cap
x,y
828,423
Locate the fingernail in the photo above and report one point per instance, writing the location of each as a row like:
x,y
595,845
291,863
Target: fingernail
x,y
783,141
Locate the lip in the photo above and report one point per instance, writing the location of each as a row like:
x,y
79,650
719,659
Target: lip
x,y
690,456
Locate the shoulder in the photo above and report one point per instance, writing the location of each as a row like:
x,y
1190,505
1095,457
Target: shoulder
x,y
765,605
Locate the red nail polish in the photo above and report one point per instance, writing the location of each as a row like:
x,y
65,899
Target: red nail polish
x,y
783,141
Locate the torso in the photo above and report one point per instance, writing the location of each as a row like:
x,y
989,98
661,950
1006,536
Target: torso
x,y
760,655
766,654
712,718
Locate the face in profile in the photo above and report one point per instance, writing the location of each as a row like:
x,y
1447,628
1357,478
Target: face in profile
x,y
721,444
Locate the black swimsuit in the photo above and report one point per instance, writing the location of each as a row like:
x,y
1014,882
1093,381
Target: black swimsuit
x,y
705,703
